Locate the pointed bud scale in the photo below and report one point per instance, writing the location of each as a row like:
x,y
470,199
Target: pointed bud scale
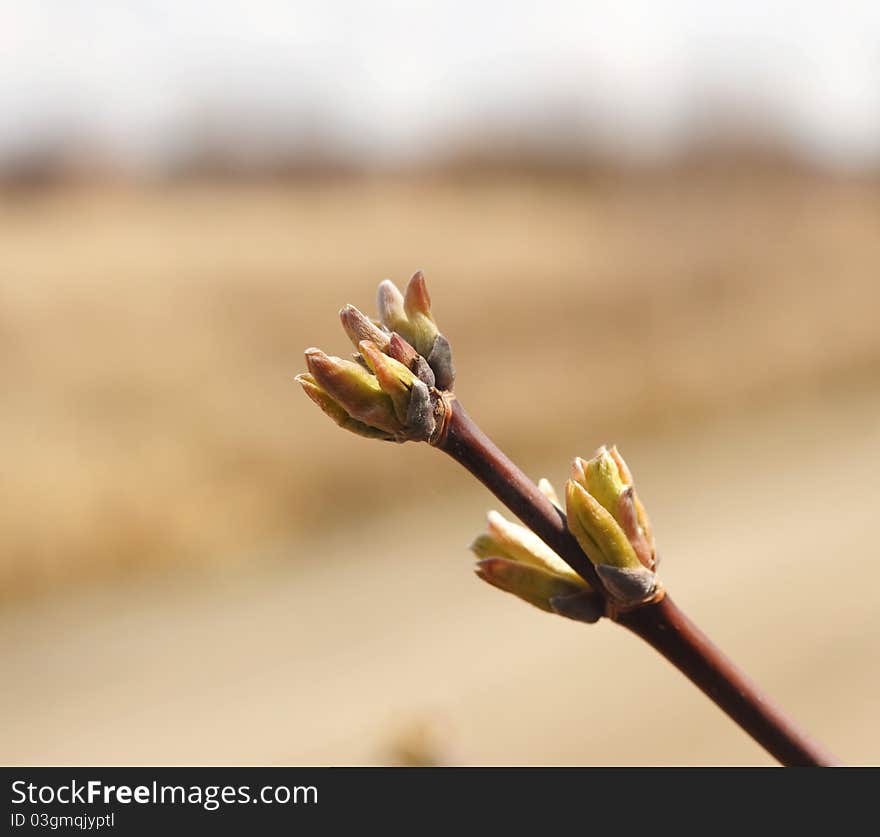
x,y
596,530
510,540
358,358
416,300
421,330
622,467
602,479
547,489
645,526
420,421
391,311
336,412
485,546
628,518
354,389
418,328
531,584
410,316
629,585
394,378
360,327
401,351
590,548
641,514
440,360
424,373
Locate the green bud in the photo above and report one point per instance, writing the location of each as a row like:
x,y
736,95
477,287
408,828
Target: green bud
x,y
601,477
354,389
610,524
410,316
536,586
336,411
596,530
505,539
607,478
394,378
392,389
420,330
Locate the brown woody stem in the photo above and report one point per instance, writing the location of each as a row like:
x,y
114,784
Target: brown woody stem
x,y
662,625
668,630
467,444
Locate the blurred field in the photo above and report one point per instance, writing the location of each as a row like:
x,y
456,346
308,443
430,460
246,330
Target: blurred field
x,y
196,567
359,651
149,337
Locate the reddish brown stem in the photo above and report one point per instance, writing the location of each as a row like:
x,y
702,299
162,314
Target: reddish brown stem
x,y
661,625
668,630
467,444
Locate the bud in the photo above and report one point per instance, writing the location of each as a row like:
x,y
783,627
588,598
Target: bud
x,y
412,401
505,539
410,316
596,529
420,329
384,400
393,377
354,389
608,479
336,411
393,388
601,477
610,525
516,560
416,301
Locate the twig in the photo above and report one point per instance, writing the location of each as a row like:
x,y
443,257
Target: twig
x,y
662,625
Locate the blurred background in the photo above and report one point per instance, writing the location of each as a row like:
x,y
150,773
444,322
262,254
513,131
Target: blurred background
x,y
655,224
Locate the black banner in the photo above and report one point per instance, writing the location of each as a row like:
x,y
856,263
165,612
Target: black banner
x,y
112,801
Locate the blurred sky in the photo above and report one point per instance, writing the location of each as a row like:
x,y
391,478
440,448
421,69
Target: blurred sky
x,y
391,81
